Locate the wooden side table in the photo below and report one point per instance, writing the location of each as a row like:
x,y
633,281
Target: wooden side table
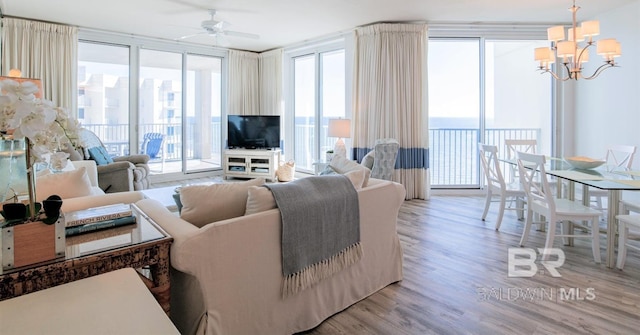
x,y
143,245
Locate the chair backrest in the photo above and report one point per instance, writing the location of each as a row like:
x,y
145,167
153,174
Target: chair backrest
x,y
384,162
512,146
533,177
620,155
491,166
152,143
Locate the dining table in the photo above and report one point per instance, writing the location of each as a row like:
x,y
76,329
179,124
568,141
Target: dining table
x,y
610,178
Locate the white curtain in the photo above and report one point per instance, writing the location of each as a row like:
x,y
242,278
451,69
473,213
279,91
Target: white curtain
x,y
43,51
270,72
244,94
390,98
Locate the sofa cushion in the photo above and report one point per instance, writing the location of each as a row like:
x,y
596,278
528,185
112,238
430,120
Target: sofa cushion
x,y
203,204
259,199
342,165
69,184
100,155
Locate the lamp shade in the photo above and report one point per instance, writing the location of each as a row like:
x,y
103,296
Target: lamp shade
x,y
339,128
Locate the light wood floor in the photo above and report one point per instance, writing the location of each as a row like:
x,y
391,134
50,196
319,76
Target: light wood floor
x,y
456,282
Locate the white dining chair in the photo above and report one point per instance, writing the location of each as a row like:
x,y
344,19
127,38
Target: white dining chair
x,y
512,146
625,222
541,200
618,156
496,185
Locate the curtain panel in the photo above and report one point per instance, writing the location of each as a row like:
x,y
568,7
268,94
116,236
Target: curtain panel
x,y
43,51
270,73
244,95
390,98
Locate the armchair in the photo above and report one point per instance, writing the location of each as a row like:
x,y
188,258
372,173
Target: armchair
x,y
382,159
115,174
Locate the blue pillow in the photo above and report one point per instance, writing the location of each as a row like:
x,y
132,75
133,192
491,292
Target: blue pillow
x,y
100,155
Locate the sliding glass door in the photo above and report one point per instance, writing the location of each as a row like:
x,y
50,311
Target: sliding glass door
x,y
103,94
319,95
483,90
203,135
160,109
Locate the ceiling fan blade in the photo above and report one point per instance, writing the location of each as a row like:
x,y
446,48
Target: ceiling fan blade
x,y
240,34
221,40
192,35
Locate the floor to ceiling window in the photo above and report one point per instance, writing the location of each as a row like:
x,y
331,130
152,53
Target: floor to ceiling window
x,y
318,95
482,90
203,135
179,94
160,107
103,93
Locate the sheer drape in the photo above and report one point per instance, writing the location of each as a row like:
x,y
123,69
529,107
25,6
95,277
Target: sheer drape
x,y
390,98
270,71
44,51
244,96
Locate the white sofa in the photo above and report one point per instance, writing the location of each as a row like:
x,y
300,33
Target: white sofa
x,y
227,275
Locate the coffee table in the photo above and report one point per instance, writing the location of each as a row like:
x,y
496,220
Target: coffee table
x,y
143,245
116,302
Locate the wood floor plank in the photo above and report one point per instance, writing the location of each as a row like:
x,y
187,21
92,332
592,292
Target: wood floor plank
x,y
456,282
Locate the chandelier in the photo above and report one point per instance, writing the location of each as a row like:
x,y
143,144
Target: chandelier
x,y
571,54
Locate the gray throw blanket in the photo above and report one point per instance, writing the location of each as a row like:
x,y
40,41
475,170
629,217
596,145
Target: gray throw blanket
x,y
320,229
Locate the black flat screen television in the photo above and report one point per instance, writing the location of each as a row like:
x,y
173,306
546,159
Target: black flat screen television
x,y
253,131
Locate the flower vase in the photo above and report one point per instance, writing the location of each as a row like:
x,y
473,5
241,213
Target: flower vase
x,y
13,170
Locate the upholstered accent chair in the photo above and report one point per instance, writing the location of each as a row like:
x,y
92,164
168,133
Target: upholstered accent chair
x,y
115,174
382,159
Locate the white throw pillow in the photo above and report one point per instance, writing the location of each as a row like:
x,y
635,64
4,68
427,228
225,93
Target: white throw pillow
x,y
70,184
260,199
342,165
203,204
367,160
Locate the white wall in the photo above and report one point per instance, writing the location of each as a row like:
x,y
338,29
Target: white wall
x,y
607,109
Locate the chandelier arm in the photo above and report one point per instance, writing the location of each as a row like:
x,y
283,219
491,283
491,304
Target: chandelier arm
x,y
599,70
543,71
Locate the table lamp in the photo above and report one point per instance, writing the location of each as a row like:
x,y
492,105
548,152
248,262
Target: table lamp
x,y
340,128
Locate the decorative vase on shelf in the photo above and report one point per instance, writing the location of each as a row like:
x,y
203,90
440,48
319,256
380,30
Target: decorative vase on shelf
x,y
13,170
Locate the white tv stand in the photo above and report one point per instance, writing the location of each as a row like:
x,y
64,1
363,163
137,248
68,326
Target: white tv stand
x,y
249,163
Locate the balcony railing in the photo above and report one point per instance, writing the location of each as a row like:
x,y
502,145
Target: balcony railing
x,y
453,153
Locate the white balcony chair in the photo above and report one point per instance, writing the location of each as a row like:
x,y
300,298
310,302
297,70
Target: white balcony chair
x,y
496,185
618,156
540,200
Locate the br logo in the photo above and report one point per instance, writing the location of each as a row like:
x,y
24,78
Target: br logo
x,y
522,261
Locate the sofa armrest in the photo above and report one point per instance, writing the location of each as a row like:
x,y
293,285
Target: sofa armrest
x,y
135,159
116,177
179,229
74,204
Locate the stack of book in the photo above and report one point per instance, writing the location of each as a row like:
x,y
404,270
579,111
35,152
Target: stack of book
x,y
97,218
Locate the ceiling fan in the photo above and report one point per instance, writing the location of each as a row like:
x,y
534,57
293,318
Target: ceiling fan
x,y
218,29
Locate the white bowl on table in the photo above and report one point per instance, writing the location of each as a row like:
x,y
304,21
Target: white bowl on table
x,y
583,163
